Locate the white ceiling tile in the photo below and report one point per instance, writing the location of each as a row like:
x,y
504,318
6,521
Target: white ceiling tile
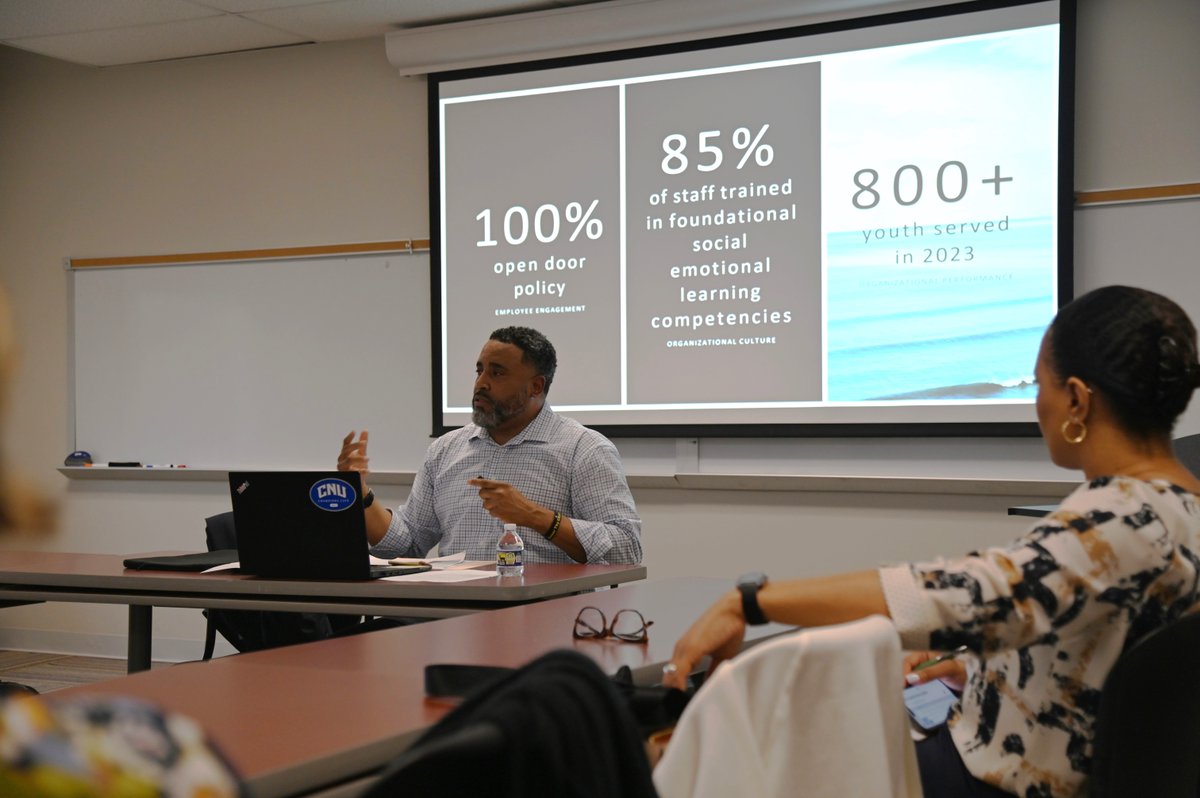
x,y
240,6
157,42
20,18
354,19
110,32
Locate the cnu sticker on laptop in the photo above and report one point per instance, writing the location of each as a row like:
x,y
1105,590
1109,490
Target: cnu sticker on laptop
x,y
334,495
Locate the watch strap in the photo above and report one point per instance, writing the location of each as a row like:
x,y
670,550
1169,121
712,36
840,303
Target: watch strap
x,y
750,608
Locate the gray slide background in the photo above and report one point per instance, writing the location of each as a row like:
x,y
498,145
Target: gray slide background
x,y
546,148
788,98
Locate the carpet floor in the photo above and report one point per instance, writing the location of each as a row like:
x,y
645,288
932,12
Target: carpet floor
x,y
49,672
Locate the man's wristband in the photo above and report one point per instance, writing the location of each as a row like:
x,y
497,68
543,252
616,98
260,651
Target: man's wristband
x,y
369,499
554,527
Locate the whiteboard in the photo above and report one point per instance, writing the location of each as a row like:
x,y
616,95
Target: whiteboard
x,y
253,364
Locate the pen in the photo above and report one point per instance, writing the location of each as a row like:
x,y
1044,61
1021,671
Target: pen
x,y
941,658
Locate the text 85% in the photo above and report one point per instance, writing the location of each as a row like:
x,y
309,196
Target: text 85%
x,y
710,155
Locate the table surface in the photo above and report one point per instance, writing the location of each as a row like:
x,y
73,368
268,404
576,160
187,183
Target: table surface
x,y
106,572
296,719
103,579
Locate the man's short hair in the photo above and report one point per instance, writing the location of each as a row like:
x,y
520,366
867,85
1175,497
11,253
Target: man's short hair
x,y
536,350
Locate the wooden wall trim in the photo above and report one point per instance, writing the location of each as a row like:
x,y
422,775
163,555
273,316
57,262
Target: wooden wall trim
x,y
1144,194
405,246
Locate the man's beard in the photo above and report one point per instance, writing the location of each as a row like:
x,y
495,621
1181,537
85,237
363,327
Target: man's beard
x,y
500,412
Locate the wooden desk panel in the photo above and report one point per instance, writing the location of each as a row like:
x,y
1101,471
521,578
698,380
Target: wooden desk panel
x,y
295,719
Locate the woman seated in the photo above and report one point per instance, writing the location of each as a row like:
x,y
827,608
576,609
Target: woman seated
x,y
1047,616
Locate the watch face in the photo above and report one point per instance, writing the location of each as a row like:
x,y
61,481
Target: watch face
x,y
753,579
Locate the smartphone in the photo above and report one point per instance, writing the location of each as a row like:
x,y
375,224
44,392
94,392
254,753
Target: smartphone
x,y
929,704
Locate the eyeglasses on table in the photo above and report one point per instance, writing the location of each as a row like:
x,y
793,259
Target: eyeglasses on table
x,y
628,626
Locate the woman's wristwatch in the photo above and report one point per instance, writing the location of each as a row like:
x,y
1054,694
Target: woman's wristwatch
x,y
749,585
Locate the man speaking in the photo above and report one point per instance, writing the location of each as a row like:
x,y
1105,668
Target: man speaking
x,y
517,462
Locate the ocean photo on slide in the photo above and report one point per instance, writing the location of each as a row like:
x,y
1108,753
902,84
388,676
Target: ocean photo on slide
x,y
939,331
940,218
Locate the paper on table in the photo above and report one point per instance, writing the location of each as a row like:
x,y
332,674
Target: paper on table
x,y
226,567
444,576
456,560
439,563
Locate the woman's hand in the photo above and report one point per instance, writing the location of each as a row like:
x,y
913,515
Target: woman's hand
x,y
952,671
718,633
721,630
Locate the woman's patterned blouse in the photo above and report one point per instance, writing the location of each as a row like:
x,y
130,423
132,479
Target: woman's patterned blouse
x,y
1047,617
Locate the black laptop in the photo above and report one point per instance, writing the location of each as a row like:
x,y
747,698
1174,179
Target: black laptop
x,y
304,525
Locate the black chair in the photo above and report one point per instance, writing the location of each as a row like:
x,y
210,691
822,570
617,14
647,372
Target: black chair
x,y
255,630
1148,729
219,533
1187,449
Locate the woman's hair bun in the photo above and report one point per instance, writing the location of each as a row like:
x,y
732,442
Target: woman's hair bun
x,y
1177,372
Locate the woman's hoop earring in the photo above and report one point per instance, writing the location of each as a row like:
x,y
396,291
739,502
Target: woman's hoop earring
x,y
1077,438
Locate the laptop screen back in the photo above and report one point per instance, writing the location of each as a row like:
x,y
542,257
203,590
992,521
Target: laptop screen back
x,y
300,524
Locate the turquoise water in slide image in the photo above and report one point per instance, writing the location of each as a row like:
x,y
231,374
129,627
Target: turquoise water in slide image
x,y
917,331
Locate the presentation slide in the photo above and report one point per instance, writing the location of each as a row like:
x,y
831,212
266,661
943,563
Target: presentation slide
x,y
850,226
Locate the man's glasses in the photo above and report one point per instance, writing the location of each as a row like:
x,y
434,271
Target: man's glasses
x,y
627,625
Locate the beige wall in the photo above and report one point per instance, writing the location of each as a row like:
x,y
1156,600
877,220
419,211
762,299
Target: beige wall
x,y
306,145
326,144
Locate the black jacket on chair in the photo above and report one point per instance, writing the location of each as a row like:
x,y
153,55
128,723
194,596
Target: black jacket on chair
x,y
556,728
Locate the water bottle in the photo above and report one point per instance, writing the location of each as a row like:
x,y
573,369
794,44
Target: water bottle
x,y
510,552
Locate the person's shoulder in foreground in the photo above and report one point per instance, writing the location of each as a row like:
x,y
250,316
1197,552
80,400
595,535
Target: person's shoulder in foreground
x,y
108,747
98,746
